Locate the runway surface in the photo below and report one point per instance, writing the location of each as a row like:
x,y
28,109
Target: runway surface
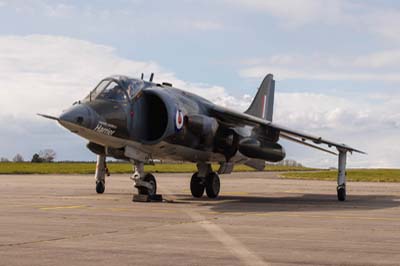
x,y
258,220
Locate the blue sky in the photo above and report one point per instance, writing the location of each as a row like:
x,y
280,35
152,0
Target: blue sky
x,y
336,64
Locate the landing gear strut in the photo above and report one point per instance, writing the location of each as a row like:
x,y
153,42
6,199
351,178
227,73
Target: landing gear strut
x,y
146,184
341,180
205,179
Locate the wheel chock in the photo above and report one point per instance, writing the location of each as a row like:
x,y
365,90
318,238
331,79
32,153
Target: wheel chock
x,y
147,198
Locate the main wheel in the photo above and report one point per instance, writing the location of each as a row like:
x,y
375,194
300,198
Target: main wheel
x,y
100,187
146,191
196,186
212,185
341,193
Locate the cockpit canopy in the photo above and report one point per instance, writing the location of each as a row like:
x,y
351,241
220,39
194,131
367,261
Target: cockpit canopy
x,y
111,91
118,89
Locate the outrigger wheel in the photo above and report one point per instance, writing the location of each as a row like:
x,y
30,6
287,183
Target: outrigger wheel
x,y
100,187
341,193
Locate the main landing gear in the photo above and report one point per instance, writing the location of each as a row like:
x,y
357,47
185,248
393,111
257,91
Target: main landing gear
x,y
205,180
146,184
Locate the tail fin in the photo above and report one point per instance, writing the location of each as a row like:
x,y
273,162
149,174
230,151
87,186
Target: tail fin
x,y
263,103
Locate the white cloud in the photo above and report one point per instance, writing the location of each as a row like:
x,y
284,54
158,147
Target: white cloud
x,y
372,127
357,15
287,73
41,73
59,10
42,7
295,13
381,59
378,66
47,73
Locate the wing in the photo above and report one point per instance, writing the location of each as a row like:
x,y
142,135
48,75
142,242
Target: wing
x,y
234,119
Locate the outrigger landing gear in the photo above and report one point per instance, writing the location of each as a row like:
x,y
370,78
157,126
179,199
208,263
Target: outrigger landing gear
x,y
205,179
100,175
146,184
341,180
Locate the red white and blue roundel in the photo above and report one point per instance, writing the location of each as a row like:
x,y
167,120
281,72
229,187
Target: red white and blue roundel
x,y
179,120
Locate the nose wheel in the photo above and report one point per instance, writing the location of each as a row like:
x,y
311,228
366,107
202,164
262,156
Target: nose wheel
x,y
341,193
151,188
146,184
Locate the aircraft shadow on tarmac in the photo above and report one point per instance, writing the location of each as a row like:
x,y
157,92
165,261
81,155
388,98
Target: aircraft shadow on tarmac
x,y
304,203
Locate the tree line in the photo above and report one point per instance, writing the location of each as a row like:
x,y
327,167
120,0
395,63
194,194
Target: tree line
x,y
49,155
44,156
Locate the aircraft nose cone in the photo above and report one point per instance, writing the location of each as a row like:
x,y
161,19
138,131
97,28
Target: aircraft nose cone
x,y
81,115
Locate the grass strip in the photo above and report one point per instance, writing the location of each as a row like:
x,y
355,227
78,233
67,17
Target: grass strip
x,y
119,168
356,175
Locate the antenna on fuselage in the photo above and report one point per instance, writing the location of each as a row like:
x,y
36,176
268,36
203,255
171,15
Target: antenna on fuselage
x,y
151,77
142,76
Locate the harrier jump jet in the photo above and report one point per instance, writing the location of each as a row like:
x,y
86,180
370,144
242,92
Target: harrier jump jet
x,y
137,120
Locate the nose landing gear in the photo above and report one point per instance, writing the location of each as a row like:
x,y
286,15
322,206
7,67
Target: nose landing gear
x,y
151,187
146,184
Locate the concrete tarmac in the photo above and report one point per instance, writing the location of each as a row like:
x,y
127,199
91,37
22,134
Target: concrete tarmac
x,y
259,219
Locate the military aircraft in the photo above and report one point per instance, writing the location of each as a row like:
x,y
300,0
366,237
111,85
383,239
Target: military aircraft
x,y
137,120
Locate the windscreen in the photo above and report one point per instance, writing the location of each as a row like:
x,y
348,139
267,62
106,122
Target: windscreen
x,y
113,91
108,90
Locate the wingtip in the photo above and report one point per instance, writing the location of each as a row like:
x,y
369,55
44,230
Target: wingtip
x,y
358,151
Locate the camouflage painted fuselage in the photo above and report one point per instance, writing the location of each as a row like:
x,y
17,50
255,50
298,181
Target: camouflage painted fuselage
x,y
161,122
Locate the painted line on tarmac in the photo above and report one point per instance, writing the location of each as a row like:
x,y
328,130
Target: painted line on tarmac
x,y
232,244
294,191
62,207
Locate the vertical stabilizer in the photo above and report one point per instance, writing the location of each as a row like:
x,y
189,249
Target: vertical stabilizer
x,y
263,103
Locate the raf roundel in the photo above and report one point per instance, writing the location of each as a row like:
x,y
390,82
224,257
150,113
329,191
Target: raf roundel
x,y
179,120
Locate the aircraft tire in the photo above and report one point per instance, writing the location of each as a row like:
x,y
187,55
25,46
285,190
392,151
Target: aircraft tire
x,y
213,185
100,187
196,186
341,194
144,190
